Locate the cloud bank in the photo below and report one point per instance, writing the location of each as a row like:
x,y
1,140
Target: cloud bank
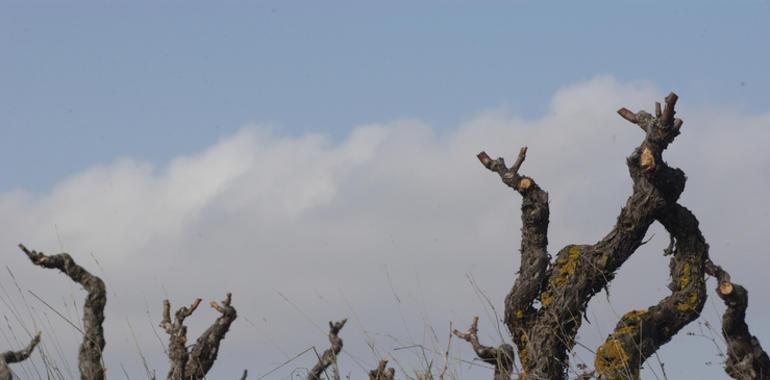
x,y
389,227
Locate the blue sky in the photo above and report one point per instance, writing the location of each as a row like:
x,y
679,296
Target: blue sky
x,y
326,151
92,81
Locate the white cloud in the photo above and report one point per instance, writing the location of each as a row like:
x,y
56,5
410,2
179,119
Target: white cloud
x,y
394,211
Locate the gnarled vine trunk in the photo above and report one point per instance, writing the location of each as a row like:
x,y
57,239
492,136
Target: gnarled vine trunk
x,y
545,307
186,364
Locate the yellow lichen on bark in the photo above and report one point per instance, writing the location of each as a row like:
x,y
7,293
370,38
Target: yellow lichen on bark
x,y
635,314
545,298
568,266
612,360
684,276
524,358
565,267
611,357
690,304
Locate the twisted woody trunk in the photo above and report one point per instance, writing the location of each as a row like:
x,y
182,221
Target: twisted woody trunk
x,y
545,307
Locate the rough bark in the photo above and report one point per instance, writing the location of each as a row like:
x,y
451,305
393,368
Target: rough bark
x,y
500,357
329,356
90,355
177,341
641,332
204,353
745,357
11,357
545,307
194,364
534,242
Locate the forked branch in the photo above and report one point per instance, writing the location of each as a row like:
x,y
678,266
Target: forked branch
x,y
204,353
329,356
640,333
177,341
382,372
500,357
196,363
534,243
565,285
11,357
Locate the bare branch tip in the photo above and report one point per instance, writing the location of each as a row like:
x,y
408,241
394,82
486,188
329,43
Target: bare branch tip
x,y
519,160
628,115
36,339
668,111
335,327
484,158
30,253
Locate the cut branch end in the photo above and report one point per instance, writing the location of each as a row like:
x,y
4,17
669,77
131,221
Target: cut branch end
x,y
485,160
725,288
667,116
628,115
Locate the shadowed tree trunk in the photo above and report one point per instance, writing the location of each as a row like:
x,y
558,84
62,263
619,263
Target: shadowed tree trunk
x,y
546,305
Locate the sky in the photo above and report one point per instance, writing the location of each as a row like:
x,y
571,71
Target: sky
x,y
318,161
